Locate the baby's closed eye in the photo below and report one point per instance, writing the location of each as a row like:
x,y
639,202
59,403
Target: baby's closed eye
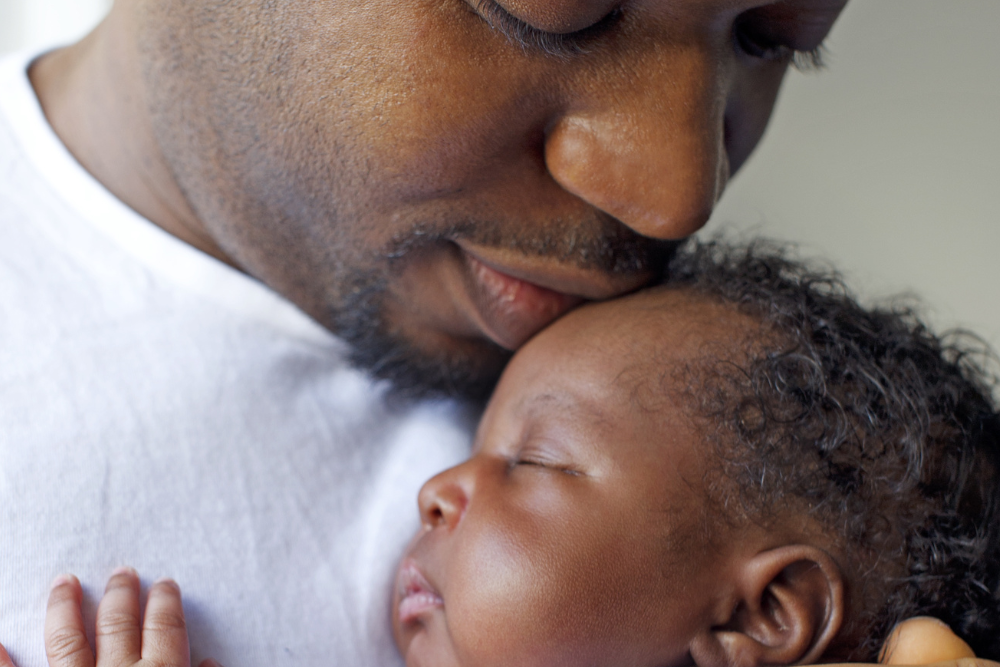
x,y
541,458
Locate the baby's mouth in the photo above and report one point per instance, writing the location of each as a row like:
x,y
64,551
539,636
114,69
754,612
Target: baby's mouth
x,y
416,595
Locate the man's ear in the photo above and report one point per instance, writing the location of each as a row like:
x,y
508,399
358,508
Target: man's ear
x,y
787,607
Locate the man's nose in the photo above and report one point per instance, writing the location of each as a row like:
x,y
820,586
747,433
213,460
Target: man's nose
x,y
444,497
648,149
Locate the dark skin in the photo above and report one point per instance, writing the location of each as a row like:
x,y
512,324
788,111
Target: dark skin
x,y
579,531
315,145
578,534
129,635
474,188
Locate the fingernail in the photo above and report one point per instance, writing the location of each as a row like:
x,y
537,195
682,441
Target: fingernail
x,y
125,569
61,580
167,581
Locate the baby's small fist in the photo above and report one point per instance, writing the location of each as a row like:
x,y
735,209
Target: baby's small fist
x,y
921,641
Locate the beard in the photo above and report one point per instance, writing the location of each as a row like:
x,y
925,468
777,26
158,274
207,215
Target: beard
x,y
470,370
469,373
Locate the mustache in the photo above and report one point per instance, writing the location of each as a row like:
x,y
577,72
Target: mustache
x,y
597,242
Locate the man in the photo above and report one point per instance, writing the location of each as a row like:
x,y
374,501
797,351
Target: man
x,y
430,181
394,150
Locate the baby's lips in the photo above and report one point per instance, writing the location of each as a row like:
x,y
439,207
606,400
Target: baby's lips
x,y
416,594
412,606
411,580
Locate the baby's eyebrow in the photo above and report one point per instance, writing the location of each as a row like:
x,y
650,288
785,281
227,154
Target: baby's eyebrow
x,y
544,400
565,402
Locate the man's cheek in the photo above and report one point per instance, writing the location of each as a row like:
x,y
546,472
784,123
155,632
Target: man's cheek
x,y
748,110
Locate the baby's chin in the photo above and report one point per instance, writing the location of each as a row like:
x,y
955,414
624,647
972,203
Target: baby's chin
x,y
419,625
427,644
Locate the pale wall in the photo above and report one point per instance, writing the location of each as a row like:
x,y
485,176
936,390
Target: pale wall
x,y
886,163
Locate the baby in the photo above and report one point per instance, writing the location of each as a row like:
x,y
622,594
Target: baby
x,y
739,467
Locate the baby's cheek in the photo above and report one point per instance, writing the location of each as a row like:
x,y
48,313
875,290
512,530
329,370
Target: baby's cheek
x,y
518,601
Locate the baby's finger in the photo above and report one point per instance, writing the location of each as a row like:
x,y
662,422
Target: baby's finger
x,y
118,621
164,632
5,660
66,642
922,640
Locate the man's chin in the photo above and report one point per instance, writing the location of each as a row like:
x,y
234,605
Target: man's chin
x,y
419,361
462,368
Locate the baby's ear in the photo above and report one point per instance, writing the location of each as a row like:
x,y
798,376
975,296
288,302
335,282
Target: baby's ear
x,y
787,607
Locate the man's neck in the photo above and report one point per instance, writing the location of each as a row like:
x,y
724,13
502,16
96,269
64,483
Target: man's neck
x,y
93,95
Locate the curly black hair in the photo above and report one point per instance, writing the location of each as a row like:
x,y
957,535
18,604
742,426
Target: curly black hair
x,y
886,433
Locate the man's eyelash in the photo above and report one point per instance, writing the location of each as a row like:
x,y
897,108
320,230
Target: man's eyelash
x,y
810,61
530,38
804,61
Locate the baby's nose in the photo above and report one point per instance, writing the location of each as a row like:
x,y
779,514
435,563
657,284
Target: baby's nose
x,y
443,499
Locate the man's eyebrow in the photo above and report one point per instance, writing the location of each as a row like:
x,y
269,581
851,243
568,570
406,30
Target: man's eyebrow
x,y
530,38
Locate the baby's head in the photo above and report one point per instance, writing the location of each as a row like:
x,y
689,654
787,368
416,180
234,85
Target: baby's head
x,y
740,467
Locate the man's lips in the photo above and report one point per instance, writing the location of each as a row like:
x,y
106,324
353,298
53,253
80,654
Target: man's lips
x,y
514,299
416,595
509,310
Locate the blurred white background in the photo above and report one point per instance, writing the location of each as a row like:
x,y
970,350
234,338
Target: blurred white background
x,y
887,162
31,23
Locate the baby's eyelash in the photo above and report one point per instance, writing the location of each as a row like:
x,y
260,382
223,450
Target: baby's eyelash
x,y
538,463
530,38
520,460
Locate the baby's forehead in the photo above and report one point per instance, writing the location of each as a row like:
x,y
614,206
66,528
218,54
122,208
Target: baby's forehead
x,y
670,324
632,353
643,349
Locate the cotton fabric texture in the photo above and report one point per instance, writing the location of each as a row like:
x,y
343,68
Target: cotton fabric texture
x,y
163,410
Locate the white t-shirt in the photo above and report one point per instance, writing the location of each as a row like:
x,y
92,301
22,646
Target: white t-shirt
x,y
162,410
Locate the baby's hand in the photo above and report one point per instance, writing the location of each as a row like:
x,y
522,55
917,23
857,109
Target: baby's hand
x,y
922,640
925,642
125,636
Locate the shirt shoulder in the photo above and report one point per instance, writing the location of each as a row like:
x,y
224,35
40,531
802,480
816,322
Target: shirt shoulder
x,y
56,218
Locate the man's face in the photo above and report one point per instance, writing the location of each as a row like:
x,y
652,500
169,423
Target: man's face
x,y
436,180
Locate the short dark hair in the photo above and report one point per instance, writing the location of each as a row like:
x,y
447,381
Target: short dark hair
x,y
886,433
